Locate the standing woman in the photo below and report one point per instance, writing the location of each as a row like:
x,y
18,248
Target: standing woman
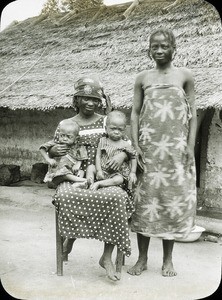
x,y
163,133
82,213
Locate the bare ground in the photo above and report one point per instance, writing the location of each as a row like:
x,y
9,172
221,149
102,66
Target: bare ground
x,y
28,268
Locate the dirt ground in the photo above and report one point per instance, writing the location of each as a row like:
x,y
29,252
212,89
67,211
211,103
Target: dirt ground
x,y
28,267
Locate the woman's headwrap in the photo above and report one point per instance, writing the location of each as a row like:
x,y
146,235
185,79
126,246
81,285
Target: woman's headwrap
x,y
88,86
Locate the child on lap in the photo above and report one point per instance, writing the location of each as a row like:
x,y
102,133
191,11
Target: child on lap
x,y
109,146
67,167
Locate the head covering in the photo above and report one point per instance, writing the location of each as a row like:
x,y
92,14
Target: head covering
x,y
88,87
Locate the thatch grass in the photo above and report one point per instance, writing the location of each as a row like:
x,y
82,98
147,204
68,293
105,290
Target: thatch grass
x,y
113,49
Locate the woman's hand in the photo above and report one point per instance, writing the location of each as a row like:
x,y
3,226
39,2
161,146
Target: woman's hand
x,y
58,150
100,175
140,154
115,162
52,162
132,180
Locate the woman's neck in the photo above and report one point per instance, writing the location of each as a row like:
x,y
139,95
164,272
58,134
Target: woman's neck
x,y
164,68
83,119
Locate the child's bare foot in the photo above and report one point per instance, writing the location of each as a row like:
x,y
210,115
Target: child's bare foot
x,y
80,185
139,267
94,186
110,270
90,181
168,270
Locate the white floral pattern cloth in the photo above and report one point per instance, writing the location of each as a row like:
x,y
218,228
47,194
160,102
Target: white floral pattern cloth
x,y
165,197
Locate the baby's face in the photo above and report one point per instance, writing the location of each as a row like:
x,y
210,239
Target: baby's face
x,y
67,135
115,129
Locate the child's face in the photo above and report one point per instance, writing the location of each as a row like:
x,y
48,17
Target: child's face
x,y
67,135
161,49
115,129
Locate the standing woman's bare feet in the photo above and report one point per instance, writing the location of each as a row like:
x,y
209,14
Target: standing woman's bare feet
x,y
168,269
139,267
110,269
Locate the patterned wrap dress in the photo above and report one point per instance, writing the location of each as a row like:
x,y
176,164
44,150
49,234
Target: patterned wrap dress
x,y
101,214
165,197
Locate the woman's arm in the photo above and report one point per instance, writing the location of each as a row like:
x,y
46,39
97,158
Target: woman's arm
x,y
50,161
189,90
57,149
137,105
132,175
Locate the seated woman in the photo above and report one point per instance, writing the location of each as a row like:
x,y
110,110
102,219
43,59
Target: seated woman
x,y
101,214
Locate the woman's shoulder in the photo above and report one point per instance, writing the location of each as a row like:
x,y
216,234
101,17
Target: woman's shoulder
x,y
183,71
143,77
142,74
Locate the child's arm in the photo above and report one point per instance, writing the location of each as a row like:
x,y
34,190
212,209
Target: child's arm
x,y
52,162
99,172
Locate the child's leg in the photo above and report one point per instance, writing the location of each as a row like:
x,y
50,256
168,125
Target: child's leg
x,y
80,173
90,174
69,177
73,178
115,180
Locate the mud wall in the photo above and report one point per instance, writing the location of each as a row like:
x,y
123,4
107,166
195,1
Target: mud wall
x,y
212,194
23,131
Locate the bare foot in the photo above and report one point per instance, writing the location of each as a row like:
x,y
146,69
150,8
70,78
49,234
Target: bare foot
x,y
90,181
168,270
80,185
138,268
94,186
67,248
110,270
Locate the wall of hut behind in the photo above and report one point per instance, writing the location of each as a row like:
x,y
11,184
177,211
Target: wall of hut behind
x,y
23,131
213,168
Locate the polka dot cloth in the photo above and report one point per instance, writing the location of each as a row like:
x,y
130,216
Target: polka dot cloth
x,y
101,214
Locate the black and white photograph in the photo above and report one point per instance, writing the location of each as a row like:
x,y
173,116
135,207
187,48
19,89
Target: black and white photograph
x,y
110,149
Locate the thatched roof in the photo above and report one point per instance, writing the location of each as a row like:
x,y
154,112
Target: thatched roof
x,y
44,59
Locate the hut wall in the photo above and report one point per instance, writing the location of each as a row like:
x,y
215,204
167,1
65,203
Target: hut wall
x,y
23,131
213,173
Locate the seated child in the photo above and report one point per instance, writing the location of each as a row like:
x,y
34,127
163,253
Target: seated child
x,y
67,167
109,146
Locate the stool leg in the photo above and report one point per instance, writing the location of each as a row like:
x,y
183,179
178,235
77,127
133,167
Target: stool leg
x,y
119,260
59,248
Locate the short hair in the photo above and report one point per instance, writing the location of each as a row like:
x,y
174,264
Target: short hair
x,y
69,123
116,114
166,32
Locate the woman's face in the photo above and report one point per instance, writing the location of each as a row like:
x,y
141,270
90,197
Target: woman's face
x,y
88,105
161,50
